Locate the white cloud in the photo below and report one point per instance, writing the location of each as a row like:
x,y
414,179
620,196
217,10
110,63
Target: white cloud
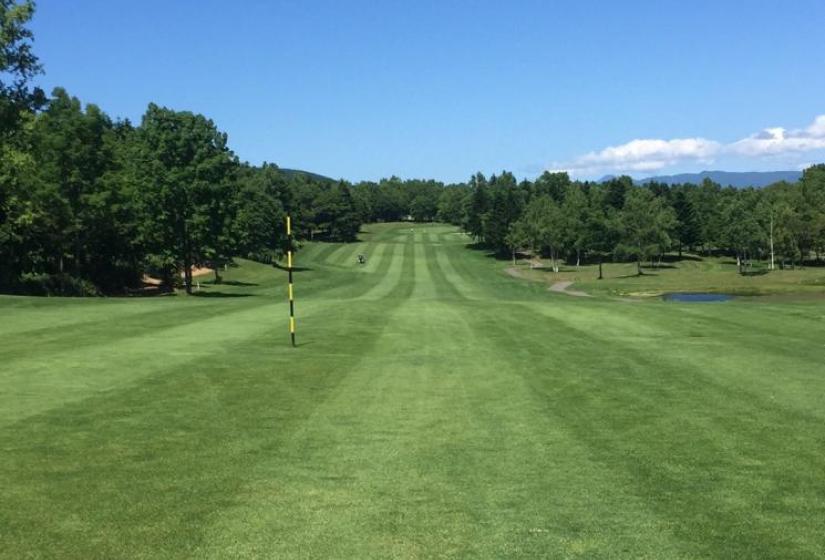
x,y
654,154
644,155
777,140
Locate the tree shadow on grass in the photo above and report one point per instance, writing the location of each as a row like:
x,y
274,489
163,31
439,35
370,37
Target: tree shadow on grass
x,y
489,253
220,295
548,269
684,257
757,272
279,266
635,275
147,290
232,283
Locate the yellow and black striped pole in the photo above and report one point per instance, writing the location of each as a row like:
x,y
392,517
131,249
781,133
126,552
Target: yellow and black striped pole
x,y
289,269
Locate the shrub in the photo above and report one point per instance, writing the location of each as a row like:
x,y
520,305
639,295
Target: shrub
x,y
54,285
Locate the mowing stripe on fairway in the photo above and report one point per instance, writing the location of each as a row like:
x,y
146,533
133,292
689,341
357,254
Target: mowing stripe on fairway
x,y
89,366
723,423
322,251
372,274
364,447
345,256
375,252
434,407
467,290
393,273
424,286
445,289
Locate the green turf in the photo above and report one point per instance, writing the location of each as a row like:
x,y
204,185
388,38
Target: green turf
x,y
691,274
435,408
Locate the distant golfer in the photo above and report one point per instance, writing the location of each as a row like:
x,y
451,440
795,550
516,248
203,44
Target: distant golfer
x,y
362,259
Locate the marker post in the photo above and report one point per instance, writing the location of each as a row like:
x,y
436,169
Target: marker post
x,y
290,291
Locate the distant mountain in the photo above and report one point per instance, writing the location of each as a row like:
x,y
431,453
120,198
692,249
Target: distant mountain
x,y
729,178
307,174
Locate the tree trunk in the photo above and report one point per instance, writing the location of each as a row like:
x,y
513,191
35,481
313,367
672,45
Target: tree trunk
x,y
187,264
772,256
600,267
578,258
76,256
217,273
639,260
167,278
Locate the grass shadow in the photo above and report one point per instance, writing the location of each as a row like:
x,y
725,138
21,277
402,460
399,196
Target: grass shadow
x,y
147,291
220,295
279,266
757,272
658,266
481,247
634,275
684,257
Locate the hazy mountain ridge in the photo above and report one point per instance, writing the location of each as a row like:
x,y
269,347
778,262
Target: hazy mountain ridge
x,y
739,179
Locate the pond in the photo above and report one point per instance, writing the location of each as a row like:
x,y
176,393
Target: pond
x,y
696,297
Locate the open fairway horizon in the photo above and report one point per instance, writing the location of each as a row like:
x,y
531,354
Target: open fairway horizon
x,y
435,407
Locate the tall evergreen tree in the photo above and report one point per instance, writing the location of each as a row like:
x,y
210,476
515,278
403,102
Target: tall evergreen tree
x,y
687,225
478,206
337,216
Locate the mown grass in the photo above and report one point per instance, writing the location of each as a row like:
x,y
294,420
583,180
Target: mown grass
x,y
435,408
688,274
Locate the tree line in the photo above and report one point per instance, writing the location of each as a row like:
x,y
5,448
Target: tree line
x,y
572,221
91,204
553,216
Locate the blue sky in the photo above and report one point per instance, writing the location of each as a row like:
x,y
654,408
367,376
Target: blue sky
x,y
364,90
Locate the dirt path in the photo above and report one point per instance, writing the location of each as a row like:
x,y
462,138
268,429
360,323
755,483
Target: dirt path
x,y
514,272
202,271
196,272
561,288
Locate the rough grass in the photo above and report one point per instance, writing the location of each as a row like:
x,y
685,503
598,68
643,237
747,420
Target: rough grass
x,y
691,274
435,408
